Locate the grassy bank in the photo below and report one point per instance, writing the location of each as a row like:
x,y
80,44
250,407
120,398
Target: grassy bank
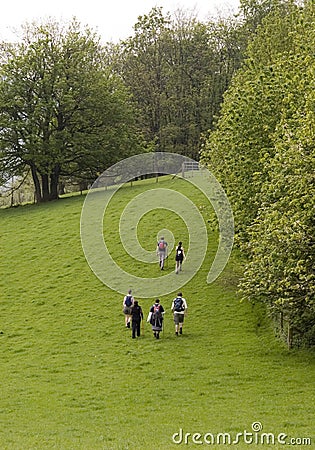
x,y
72,377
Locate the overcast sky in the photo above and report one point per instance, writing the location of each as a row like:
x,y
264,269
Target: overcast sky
x,y
112,19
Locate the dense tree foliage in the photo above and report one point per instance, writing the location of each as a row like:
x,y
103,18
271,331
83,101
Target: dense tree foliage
x,y
177,69
62,112
244,138
263,152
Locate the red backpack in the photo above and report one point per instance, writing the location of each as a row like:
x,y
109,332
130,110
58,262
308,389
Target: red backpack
x,y
162,245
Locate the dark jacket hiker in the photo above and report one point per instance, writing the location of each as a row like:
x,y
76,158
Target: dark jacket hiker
x,y
136,317
179,257
156,318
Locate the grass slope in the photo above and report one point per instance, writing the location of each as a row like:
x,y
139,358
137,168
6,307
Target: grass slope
x,y
72,377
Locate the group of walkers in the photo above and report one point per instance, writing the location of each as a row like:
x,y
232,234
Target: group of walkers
x,y
162,253
134,315
133,311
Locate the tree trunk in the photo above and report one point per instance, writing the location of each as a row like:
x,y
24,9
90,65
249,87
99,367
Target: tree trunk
x,y
45,188
38,191
54,180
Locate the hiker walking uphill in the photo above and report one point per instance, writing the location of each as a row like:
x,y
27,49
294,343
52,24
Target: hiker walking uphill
x,y
127,305
179,256
155,318
179,308
161,251
137,316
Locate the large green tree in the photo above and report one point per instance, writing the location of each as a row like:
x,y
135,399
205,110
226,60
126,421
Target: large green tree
x,y
263,152
62,112
177,69
244,137
281,267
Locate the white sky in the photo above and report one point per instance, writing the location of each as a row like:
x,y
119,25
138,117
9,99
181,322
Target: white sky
x,y
111,19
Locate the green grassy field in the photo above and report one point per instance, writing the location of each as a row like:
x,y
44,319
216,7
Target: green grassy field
x,y
72,377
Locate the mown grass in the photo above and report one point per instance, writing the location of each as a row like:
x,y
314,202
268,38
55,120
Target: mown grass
x,y
72,377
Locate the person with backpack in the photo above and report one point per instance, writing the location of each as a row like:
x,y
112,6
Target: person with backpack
x,y
155,318
161,251
137,316
127,305
179,256
179,308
